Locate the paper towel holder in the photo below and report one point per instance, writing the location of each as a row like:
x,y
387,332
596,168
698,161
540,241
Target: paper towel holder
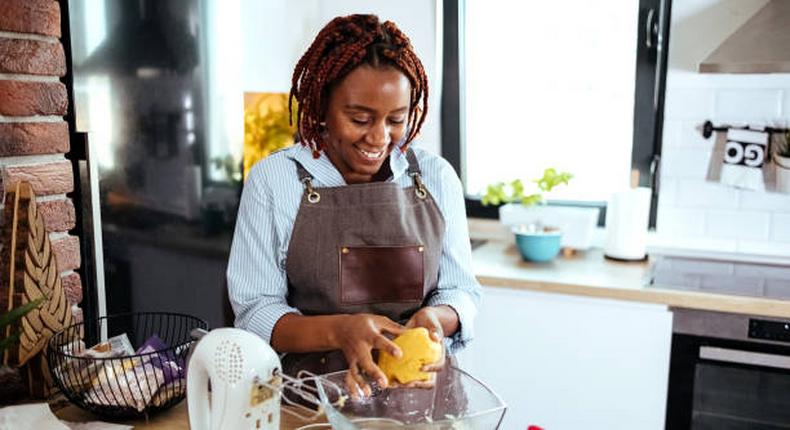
x,y
634,185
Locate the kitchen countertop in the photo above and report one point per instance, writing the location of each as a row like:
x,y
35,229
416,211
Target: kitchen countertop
x,y
497,263
175,418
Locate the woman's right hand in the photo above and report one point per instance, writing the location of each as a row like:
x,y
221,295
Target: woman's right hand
x,y
358,335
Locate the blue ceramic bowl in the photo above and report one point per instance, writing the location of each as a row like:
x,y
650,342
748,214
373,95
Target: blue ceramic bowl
x,y
538,246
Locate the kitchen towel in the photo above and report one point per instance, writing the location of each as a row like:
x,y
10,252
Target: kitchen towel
x,y
744,157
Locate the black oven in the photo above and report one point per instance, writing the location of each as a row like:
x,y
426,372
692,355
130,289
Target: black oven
x,y
728,371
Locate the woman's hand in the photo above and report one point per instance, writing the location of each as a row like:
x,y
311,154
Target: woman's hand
x,y
357,335
430,318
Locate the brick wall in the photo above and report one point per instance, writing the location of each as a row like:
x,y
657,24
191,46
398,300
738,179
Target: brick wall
x,y
33,134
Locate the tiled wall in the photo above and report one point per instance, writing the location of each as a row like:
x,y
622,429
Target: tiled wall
x,y
693,212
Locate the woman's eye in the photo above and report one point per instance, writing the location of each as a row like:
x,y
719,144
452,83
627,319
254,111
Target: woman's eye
x,y
397,120
360,121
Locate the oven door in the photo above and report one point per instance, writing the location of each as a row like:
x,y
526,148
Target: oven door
x,y
726,384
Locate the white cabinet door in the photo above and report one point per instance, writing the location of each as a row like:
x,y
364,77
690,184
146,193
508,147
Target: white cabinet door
x,y
567,362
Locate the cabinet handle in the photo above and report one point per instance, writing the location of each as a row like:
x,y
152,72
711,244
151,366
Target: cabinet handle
x,y
744,357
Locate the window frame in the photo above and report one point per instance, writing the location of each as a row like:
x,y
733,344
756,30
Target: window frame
x,y
651,68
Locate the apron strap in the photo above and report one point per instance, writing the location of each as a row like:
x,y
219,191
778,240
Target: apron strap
x,y
415,173
414,166
307,180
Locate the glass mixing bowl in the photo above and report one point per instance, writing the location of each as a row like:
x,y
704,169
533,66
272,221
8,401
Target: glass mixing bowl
x,y
457,401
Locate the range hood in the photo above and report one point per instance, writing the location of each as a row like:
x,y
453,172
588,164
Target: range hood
x,y
761,45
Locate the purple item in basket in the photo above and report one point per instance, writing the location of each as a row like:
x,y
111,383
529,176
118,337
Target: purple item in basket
x,y
165,360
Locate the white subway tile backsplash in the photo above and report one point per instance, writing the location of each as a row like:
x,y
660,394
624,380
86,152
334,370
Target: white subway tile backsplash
x,y
738,224
708,195
688,103
760,201
759,106
685,163
680,222
691,136
667,192
767,248
780,229
671,135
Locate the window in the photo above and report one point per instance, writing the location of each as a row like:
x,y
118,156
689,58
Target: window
x,y
572,85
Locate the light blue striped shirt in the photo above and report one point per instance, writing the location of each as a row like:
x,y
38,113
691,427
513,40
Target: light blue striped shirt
x,y
257,281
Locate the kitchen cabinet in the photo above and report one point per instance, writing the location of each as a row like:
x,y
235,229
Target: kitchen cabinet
x,y
567,362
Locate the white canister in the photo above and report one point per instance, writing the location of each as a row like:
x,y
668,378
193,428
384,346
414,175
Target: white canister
x,y
627,216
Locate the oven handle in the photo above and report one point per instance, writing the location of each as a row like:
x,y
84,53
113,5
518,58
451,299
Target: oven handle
x,y
744,357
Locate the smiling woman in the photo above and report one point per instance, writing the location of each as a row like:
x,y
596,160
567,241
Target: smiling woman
x,y
367,112
353,235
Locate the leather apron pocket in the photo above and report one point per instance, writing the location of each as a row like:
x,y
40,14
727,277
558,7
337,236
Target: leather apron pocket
x,y
377,274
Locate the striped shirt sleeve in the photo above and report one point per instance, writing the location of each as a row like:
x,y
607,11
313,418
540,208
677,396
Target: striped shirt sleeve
x,y
257,284
457,286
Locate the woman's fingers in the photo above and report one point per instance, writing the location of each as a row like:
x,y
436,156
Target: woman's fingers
x,y
390,326
369,367
383,344
356,382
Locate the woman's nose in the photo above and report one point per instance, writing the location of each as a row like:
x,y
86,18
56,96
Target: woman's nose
x,y
379,135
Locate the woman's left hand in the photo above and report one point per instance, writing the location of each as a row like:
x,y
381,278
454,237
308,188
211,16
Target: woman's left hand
x,y
429,318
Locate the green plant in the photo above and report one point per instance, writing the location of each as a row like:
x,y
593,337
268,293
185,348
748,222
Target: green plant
x,y
501,192
11,317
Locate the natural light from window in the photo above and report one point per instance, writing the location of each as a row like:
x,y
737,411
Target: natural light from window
x,y
550,84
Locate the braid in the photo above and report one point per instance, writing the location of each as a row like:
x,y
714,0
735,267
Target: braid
x,y
342,45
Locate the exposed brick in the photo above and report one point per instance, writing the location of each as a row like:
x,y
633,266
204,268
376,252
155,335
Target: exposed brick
x,y
67,252
19,98
30,16
46,178
28,138
32,57
58,214
72,284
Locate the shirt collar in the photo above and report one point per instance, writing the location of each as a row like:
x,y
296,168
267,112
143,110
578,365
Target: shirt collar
x,y
326,174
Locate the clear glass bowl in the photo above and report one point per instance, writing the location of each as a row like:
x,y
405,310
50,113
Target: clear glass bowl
x,y
457,401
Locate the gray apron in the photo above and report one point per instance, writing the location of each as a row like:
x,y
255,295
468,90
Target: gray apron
x,y
362,248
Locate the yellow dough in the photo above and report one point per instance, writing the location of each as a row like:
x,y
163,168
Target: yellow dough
x,y
418,350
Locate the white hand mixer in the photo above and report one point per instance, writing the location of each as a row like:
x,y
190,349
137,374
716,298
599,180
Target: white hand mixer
x,y
246,385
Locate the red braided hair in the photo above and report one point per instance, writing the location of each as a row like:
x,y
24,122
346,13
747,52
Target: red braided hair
x,y
341,46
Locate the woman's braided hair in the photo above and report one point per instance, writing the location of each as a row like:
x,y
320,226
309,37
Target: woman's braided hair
x,y
342,45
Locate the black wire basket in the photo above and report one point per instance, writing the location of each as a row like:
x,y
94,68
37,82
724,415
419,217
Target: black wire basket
x,y
127,386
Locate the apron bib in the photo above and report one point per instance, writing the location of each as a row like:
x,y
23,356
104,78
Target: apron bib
x,y
362,248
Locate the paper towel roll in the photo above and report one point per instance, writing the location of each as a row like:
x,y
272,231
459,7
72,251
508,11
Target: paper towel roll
x,y
627,216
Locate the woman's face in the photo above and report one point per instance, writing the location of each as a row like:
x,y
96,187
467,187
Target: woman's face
x,y
366,118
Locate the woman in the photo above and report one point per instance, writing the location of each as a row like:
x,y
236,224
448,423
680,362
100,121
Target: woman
x,y
350,234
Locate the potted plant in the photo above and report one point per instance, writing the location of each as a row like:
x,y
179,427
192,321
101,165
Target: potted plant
x,y
536,239
11,386
782,161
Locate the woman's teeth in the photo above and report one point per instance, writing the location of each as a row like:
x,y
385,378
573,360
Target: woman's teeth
x,y
371,155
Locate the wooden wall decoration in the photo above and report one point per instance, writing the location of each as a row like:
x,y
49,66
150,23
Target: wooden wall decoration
x,y
32,273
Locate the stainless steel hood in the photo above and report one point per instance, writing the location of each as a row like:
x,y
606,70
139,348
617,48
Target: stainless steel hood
x,y
761,45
